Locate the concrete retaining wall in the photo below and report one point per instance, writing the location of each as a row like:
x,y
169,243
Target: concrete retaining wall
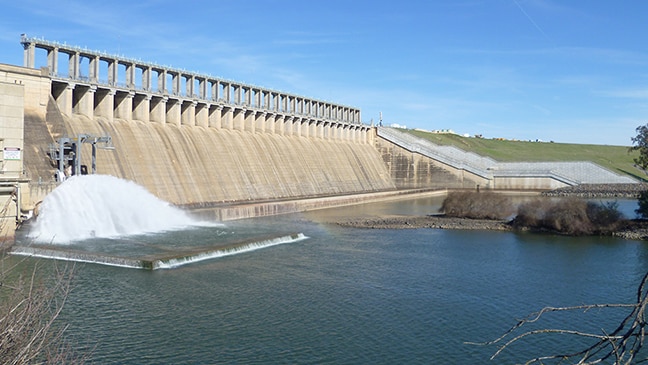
x,y
261,209
412,170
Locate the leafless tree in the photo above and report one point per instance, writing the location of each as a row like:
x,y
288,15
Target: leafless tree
x,y
31,299
620,346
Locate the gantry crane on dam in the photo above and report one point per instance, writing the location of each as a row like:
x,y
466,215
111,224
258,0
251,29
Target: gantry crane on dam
x,y
66,154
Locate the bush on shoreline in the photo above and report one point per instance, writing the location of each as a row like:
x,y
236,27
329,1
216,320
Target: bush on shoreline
x,y
474,205
572,216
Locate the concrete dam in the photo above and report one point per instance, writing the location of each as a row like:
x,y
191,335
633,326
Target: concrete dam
x,y
189,139
199,141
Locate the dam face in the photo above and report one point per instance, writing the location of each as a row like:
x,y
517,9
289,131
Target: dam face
x,y
197,165
191,139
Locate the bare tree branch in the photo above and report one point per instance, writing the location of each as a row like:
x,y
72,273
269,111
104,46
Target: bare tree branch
x,y
621,345
30,305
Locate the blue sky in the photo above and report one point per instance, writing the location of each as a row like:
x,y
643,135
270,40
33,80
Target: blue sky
x,y
564,71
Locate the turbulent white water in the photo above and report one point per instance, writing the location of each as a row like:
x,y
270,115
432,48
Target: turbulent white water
x,y
104,206
207,255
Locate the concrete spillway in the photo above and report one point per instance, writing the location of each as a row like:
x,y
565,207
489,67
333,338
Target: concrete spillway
x,y
159,261
198,165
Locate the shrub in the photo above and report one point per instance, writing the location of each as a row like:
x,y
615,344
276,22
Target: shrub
x,y
568,216
571,216
642,210
476,205
604,214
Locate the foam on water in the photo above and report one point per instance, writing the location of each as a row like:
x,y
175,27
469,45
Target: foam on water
x,y
104,206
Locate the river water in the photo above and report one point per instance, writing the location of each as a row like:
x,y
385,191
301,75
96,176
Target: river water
x,y
349,296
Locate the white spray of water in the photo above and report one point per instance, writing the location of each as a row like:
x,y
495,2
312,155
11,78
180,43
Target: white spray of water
x,y
103,206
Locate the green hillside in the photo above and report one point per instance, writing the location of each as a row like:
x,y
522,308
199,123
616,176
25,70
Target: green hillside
x,y
614,158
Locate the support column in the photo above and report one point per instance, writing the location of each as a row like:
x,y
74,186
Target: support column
x,y
190,83
335,132
250,121
188,113
113,69
52,61
326,130
85,100
147,73
73,66
279,124
202,85
260,119
162,81
177,80
215,90
270,122
297,124
64,99
247,99
266,100
104,104
288,125
304,129
158,108
173,112
237,94
142,107
215,116
93,69
312,128
353,134
202,115
228,118
124,105
239,119
29,55
130,75
258,100
227,93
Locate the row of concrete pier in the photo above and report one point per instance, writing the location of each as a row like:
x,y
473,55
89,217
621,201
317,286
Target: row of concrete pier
x,y
165,95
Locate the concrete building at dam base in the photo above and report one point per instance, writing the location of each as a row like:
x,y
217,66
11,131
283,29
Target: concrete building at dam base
x,y
198,141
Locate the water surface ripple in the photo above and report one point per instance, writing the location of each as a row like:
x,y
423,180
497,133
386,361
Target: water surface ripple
x,y
351,296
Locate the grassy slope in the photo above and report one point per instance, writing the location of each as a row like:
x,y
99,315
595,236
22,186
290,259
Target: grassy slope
x,y
614,158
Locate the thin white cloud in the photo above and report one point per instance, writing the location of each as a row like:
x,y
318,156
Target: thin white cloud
x,y
630,93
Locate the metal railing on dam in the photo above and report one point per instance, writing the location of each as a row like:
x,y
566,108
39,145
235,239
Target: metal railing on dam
x,y
500,173
98,84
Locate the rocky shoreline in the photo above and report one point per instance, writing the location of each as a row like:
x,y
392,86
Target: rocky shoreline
x,y
629,191
429,221
632,230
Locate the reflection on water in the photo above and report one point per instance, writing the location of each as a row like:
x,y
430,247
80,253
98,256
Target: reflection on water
x,y
350,295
